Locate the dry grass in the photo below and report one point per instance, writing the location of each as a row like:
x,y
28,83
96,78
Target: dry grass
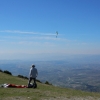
x,y
43,91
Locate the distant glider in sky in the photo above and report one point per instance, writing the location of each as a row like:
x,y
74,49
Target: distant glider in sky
x,y
56,34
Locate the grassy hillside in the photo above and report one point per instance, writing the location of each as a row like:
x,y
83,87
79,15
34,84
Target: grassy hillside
x,y
42,92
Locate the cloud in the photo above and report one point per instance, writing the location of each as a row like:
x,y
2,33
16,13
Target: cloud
x,y
29,36
26,32
25,35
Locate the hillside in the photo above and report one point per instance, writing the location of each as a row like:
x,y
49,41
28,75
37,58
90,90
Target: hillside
x,y
73,74
43,91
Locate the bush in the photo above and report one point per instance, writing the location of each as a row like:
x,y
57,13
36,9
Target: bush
x,y
47,83
1,70
7,72
38,81
21,76
25,77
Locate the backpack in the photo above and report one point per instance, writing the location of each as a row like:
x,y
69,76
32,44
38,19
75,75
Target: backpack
x,y
34,85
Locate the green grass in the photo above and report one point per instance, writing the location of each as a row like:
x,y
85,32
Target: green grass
x,y
42,92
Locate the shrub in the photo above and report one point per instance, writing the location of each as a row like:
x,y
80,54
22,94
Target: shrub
x,y
1,70
25,77
7,72
47,83
21,76
38,81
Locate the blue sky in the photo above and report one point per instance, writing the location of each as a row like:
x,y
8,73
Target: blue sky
x,y
28,28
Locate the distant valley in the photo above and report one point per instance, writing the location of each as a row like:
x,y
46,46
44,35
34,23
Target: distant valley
x,y
71,74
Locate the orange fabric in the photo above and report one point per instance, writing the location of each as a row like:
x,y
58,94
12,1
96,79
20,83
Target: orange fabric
x,y
16,86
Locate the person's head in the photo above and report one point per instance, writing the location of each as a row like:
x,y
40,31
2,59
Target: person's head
x,y
33,66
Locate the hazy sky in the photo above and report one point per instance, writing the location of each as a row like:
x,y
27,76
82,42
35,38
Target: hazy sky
x,y
28,28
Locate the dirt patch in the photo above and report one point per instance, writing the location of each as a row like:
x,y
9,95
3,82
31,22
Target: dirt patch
x,y
72,98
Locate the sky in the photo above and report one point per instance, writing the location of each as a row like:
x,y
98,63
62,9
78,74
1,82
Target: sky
x,y
28,29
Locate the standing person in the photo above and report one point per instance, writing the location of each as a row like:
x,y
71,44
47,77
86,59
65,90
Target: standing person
x,y
32,75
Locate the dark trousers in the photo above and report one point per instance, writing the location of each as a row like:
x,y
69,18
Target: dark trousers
x,y
30,79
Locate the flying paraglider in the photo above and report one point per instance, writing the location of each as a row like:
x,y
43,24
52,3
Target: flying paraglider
x,y
56,34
